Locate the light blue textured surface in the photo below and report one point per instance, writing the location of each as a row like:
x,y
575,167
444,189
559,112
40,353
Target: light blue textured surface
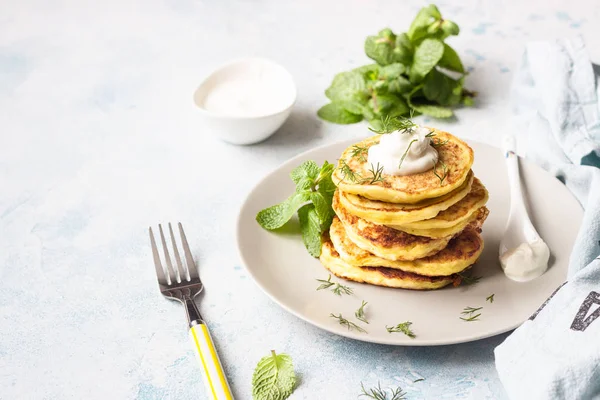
x,y
99,139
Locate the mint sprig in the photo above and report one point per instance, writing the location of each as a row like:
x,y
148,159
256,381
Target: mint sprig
x,y
414,71
312,200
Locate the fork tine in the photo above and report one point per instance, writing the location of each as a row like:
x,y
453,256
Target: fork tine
x,y
160,273
170,272
180,271
193,271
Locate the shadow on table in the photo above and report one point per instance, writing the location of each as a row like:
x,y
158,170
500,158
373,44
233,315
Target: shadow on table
x,y
301,128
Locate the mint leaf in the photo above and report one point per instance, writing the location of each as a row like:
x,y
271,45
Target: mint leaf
x,y
353,107
427,55
450,60
450,28
468,101
348,85
442,89
403,52
310,226
274,377
388,104
366,69
433,110
323,208
334,112
276,216
400,85
304,175
392,71
425,17
380,48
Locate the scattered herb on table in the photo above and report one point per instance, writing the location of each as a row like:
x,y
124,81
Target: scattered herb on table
x,y
418,380
348,324
414,71
311,199
490,298
274,377
469,314
468,279
325,284
377,393
338,289
341,289
404,327
360,313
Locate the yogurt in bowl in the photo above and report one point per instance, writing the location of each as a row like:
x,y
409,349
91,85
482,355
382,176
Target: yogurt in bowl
x,y
246,101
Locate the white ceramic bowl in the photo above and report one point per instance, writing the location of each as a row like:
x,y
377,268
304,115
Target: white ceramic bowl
x,y
243,129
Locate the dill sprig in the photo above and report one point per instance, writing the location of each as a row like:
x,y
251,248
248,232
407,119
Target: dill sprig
x,y
469,313
389,125
404,327
360,313
439,143
469,279
338,289
377,393
348,173
359,152
376,175
349,324
490,298
406,152
325,284
341,289
444,174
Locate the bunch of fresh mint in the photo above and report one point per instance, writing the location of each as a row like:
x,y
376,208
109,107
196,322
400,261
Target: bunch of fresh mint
x,y
416,72
312,199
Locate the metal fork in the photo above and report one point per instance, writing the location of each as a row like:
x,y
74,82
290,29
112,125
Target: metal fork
x,y
184,285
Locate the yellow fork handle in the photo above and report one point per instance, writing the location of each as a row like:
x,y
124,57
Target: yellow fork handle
x,y
212,372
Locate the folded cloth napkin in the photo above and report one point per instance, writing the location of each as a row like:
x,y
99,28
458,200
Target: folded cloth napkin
x,y
556,353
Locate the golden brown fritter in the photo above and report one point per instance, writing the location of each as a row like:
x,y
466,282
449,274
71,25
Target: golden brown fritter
x,y
455,154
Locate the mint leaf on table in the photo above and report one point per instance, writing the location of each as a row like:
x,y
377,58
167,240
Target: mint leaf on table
x,y
276,216
380,48
403,53
418,59
274,377
449,28
346,86
388,104
442,89
433,111
353,107
450,60
427,55
334,112
392,71
310,226
426,16
399,85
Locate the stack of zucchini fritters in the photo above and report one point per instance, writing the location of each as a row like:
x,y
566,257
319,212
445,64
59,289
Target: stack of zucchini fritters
x,y
416,231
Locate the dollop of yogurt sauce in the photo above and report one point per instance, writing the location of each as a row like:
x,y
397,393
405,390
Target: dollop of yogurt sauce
x,y
388,153
245,98
526,261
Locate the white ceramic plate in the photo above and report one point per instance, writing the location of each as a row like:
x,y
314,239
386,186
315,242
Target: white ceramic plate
x,y
282,267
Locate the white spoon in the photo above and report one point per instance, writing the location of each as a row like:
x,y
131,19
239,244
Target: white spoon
x,y
523,254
